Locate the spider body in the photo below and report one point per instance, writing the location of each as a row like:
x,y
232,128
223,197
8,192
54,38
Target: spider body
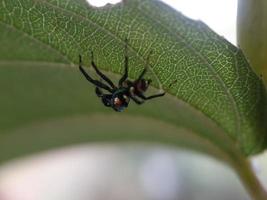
x,y
137,87
118,97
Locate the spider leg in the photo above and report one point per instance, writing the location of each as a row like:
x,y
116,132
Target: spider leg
x,y
146,67
126,61
150,97
95,82
137,101
98,92
100,73
142,74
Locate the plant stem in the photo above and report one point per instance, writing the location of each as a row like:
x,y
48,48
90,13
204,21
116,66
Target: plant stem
x,y
250,180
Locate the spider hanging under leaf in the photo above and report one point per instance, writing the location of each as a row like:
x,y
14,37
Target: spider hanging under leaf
x,y
119,96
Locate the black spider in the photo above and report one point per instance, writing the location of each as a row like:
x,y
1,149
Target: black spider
x,y
119,97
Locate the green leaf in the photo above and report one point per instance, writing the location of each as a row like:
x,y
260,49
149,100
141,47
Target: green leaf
x,y
215,102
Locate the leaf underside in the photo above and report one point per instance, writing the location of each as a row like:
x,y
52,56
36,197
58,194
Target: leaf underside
x,y
216,103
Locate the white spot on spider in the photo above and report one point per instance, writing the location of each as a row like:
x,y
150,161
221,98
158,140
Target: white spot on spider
x,y
132,90
117,101
100,3
126,98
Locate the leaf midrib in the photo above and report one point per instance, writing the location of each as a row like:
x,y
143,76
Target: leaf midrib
x,y
204,118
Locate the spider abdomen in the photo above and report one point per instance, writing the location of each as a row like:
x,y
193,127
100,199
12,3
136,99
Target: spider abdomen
x,y
141,85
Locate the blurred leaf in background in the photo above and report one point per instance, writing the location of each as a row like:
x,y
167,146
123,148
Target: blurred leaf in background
x,y
252,33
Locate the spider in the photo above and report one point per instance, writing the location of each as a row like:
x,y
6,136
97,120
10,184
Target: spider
x,y
119,96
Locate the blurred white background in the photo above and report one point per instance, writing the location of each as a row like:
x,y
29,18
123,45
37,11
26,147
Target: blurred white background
x,y
128,172
220,15
125,172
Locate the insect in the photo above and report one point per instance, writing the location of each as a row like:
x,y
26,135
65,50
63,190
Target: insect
x,y
118,97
